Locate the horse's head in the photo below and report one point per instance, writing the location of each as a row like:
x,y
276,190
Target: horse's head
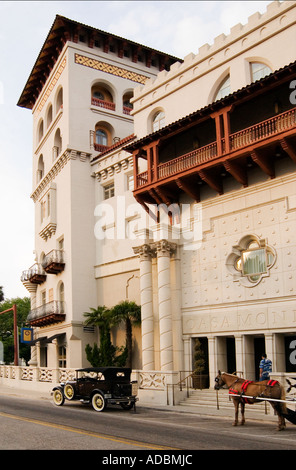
x,y
219,382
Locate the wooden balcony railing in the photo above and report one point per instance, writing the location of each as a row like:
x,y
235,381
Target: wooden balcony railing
x,y
263,129
238,140
103,104
187,161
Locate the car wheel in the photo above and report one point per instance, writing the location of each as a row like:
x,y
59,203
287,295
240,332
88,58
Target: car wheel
x,y
98,402
69,392
58,397
127,406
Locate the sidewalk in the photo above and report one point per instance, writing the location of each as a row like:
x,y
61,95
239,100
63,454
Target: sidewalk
x,y
198,411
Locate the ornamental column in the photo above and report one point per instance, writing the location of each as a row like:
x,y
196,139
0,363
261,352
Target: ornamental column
x,y
164,250
147,321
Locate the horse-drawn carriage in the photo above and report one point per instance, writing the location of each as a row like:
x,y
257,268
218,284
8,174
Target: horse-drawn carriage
x,y
245,391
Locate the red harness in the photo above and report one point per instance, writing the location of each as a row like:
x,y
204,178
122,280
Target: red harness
x,y
245,384
233,391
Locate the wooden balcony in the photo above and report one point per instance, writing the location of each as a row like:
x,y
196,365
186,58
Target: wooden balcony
x,y
53,262
231,153
35,274
52,312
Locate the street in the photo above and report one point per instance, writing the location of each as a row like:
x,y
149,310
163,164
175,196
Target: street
x,y
28,424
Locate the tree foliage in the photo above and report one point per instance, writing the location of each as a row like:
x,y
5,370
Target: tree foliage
x,y
199,358
106,354
7,327
130,314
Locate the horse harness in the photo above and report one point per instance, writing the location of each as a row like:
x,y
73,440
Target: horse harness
x,y
245,384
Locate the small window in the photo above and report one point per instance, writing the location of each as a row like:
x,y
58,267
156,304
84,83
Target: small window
x,y
61,244
62,357
49,116
40,131
158,121
43,297
59,100
101,137
98,95
224,89
259,71
254,261
109,191
61,292
130,182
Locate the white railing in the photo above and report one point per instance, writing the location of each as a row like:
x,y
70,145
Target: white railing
x,y
156,384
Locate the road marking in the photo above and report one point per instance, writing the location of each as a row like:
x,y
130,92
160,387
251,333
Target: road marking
x,y
88,433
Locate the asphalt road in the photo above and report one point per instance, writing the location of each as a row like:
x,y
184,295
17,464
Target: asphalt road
x,y
27,424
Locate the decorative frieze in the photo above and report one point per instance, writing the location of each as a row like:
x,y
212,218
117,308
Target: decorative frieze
x,y
109,68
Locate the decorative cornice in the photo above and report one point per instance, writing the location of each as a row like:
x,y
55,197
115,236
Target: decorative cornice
x,y
65,157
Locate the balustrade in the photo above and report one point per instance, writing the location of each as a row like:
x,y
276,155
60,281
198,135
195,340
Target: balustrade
x,y
53,262
237,141
103,104
47,313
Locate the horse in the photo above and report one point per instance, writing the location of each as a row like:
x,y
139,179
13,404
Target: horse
x,y
266,389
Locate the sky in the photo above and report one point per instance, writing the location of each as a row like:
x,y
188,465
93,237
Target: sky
x,y
175,27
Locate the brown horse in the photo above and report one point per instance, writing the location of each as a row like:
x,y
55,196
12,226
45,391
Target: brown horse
x,y
266,389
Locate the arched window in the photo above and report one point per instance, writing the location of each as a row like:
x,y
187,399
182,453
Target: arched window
x,y
101,137
49,116
259,70
61,292
40,130
59,100
57,148
127,106
158,121
102,96
40,169
224,89
98,95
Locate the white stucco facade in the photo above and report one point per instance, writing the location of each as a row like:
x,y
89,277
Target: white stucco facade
x,y
90,213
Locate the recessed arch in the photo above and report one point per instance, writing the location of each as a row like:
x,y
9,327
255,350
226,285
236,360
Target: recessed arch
x,y
59,100
216,88
40,130
49,115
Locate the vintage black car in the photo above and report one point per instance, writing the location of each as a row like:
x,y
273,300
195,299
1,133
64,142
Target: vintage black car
x,y
99,386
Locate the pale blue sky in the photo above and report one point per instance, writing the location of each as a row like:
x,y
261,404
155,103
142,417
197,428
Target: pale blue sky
x,y
175,27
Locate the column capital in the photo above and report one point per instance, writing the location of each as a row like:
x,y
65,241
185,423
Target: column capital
x,y
145,252
164,247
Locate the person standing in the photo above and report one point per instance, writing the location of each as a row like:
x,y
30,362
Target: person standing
x,y
265,367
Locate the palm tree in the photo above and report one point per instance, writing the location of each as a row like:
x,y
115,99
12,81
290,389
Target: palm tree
x,y
106,354
100,317
130,314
